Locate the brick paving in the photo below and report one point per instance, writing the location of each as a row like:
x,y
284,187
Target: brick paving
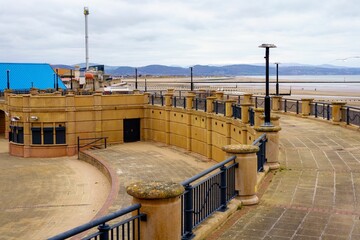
x,y
316,192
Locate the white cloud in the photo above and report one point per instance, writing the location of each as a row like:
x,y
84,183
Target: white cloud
x,y
174,32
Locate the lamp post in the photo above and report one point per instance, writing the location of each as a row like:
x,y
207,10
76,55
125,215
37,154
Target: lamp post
x,y
191,79
8,79
277,78
136,75
267,97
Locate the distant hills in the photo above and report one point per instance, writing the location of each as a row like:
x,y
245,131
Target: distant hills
x,y
227,70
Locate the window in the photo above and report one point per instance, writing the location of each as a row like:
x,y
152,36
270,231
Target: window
x,y
16,134
48,133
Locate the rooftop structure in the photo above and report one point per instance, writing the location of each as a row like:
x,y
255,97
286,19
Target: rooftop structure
x,y
28,75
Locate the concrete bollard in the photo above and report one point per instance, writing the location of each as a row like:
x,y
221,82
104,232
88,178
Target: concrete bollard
x,y
210,104
161,202
258,121
306,106
190,100
246,173
336,111
229,108
272,145
276,103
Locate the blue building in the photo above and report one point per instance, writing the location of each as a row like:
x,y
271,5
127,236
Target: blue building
x,y
27,75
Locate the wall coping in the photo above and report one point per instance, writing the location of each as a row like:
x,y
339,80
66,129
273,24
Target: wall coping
x,y
155,190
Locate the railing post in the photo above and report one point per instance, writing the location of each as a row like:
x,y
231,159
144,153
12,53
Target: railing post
x,y
246,173
205,105
297,106
104,229
328,112
348,115
223,189
105,142
196,104
316,110
157,200
174,101
152,99
162,100
336,112
184,102
188,212
216,107
306,106
256,102
323,110
285,105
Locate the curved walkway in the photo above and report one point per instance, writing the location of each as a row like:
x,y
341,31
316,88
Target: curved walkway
x,y
43,197
316,192
149,161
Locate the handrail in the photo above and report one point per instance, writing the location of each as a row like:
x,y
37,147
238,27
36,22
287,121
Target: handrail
x,y
97,222
90,143
207,171
261,138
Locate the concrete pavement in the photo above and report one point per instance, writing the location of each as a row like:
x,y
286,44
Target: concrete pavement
x,y
43,197
315,194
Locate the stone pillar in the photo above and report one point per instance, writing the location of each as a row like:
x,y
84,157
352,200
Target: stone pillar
x,y
229,108
246,173
219,95
258,121
336,111
272,144
189,100
274,119
248,98
146,97
245,112
168,99
97,114
209,137
276,103
161,203
306,106
210,104
71,139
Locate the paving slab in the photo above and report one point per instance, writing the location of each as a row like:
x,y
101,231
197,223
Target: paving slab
x,y
316,192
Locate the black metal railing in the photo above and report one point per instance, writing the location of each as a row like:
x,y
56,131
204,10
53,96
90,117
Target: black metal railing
x,y
199,104
205,195
179,102
219,107
261,154
292,105
251,116
352,115
259,102
91,142
124,229
321,109
236,111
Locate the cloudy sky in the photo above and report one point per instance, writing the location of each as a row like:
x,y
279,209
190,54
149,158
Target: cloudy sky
x,y
181,32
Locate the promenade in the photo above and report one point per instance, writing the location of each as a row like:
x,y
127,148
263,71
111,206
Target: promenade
x,y
316,192
314,195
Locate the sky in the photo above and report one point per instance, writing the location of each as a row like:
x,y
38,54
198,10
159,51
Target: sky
x,y
181,32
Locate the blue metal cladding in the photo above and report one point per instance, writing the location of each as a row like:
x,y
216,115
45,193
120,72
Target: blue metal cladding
x,y
26,75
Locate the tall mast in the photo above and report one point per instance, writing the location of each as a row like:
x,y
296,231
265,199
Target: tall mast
x,y
86,13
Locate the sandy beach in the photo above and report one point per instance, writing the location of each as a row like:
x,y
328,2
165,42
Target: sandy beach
x,y
323,92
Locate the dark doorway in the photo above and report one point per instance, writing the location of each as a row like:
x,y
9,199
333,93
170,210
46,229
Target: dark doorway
x,y
132,130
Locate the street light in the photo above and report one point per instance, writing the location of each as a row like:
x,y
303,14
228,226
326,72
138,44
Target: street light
x,y
277,78
267,97
191,80
136,75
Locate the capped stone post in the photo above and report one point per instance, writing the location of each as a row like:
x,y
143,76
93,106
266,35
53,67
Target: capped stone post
x,y
272,144
189,100
276,103
219,95
246,173
210,104
336,111
258,121
229,107
161,202
306,106
248,98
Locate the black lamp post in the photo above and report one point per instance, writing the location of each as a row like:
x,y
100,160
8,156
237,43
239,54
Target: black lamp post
x,y
8,79
277,78
191,79
57,80
136,75
267,97
71,79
